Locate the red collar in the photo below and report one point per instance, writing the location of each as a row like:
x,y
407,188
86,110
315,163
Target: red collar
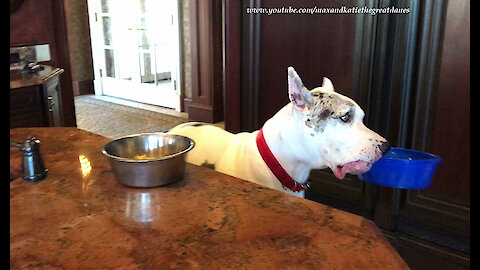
x,y
275,167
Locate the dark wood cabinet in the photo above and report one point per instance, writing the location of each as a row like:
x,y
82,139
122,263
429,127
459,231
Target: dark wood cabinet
x,y
409,72
53,105
35,99
26,107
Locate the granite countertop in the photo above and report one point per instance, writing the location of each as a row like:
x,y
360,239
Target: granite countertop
x,y
17,80
79,217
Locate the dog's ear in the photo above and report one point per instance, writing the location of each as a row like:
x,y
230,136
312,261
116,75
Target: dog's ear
x,y
299,95
327,84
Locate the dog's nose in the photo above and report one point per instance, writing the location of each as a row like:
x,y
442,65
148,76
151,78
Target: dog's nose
x,y
384,147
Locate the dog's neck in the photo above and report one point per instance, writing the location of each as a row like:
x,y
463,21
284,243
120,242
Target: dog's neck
x,y
281,135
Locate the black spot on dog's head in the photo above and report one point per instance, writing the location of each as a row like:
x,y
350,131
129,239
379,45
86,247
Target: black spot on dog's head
x,y
326,106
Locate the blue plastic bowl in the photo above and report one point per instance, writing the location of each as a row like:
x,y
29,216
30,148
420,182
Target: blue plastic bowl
x,y
403,168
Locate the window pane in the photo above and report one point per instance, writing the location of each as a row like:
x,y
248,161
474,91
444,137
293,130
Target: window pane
x,y
109,63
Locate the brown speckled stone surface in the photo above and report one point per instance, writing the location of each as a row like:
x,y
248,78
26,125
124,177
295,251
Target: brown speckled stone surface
x,y
84,219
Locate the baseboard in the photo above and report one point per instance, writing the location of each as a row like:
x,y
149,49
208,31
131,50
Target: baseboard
x,y
83,87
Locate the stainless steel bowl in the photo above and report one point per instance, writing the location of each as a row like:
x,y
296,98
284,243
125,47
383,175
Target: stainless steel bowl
x,y
148,159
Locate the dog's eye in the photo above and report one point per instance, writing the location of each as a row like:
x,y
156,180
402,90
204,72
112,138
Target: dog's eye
x,y
345,117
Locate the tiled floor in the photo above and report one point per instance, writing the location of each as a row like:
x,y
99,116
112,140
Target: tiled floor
x,y
149,107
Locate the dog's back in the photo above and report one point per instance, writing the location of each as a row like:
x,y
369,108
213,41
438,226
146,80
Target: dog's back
x,y
225,152
210,142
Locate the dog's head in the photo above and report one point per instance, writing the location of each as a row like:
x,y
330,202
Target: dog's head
x,y
333,127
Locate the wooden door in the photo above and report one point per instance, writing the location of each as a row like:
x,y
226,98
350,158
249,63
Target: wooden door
x,y
317,46
440,124
409,72
205,102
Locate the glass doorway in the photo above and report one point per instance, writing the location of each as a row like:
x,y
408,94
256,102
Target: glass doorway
x,y
135,47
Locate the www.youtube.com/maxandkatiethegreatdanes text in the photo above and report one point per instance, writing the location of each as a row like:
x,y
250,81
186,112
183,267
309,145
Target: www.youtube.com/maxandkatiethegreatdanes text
x,y
328,10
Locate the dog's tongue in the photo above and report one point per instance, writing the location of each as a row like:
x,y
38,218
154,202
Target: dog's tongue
x,y
355,167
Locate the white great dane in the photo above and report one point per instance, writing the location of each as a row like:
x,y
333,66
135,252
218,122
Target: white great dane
x,y
319,128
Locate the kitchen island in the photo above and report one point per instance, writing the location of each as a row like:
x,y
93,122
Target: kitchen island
x,y
79,217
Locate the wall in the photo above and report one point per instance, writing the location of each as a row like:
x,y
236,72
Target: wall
x,y
32,24
43,22
78,34
186,59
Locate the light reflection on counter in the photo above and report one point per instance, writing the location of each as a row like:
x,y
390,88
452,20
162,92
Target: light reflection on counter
x,y
86,168
139,206
85,165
